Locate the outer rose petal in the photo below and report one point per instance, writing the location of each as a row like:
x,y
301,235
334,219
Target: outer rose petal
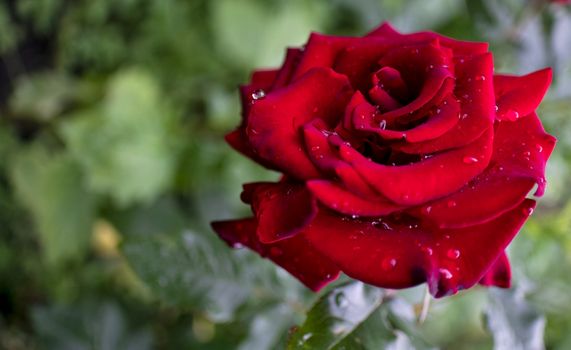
x,y
499,275
341,200
274,122
399,256
519,96
521,150
282,209
385,30
295,254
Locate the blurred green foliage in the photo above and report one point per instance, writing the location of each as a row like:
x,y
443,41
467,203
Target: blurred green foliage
x,y
112,164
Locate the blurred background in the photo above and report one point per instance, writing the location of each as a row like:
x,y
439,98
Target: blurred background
x,y
112,164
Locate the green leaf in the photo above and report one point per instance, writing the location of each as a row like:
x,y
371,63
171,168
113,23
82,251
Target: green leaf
x,y
89,325
51,187
42,96
357,316
125,144
513,322
192,270
255,34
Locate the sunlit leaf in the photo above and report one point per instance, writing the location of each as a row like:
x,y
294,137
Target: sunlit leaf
x,y
124,145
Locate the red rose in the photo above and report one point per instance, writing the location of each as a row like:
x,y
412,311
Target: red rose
x,y
405,160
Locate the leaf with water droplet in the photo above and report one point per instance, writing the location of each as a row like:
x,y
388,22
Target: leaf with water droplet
x,y
357,316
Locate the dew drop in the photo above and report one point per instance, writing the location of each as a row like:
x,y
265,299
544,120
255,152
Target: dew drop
x,y
383,124
389,263
470,160
428,209
512,115
481,77
258,94
451,204
463,116
539,148
527,211
427,250
453,254
354,216
315,148
446,274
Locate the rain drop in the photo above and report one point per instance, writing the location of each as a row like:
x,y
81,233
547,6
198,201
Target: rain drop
x,y
446,274
258,94
451,204
383,124
512,115
428,209
427,250
527,211
389,264
470,160
453,254
539,148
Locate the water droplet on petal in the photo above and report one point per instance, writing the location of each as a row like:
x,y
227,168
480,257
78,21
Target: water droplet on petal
x,y
470,160
527,211
258,94
427,250
512,115
389,263
451,204
354,216
539,148
428,209
446,274
315,148
383,124
453,254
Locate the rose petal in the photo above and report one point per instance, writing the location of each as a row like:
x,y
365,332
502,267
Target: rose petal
x,y
494,187
477,108
282,209
341,200
401,183
523,147
295,254
385,30
320,51
519,96
499,275
274,121
392,255
285,73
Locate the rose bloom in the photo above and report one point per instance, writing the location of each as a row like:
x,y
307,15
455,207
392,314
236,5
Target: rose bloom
x,y
405,160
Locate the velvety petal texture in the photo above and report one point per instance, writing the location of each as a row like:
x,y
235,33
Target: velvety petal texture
x,y
406,160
